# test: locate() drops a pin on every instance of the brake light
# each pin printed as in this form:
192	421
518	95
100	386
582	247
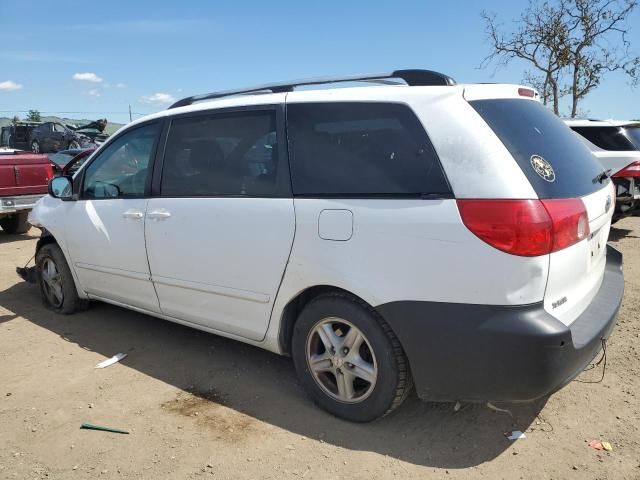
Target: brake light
570	221
527	228
631	170
526	92
49	171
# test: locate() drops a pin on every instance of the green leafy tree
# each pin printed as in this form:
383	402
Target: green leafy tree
34	116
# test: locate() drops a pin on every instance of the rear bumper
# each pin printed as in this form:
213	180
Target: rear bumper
9	205
484	353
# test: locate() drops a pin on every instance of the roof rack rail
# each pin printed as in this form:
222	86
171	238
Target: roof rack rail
411	78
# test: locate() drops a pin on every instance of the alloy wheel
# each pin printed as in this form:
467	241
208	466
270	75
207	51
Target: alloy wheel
52	282
341	360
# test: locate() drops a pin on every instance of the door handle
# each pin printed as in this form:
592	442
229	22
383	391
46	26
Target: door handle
159	214
133	214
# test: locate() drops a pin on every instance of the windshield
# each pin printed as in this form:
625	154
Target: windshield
554	160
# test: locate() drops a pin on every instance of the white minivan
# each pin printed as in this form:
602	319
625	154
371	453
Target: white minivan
409	232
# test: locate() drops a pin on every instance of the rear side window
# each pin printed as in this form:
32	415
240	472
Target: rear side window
633	134
232	154
606	138
361	149
554	160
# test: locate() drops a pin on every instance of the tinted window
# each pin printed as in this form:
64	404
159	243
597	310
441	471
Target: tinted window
222	155
607	138
529	131
361	149
633	133
122	168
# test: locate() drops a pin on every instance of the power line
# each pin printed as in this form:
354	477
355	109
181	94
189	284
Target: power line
82	113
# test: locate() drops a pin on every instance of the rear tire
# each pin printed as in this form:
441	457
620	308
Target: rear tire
16	223
364	375
35	146
56	281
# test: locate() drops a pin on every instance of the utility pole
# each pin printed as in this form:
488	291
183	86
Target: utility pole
130	119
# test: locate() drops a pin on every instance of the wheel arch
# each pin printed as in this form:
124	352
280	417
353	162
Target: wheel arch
45	239
295	305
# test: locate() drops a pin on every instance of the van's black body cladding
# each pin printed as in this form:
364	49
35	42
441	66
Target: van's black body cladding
501	353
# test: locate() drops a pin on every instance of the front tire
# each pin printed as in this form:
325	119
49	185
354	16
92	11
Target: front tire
16	223
74	145
56	281
348	359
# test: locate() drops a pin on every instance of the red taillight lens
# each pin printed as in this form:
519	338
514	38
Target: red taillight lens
570	221
519	227
528	228
631	170
526	92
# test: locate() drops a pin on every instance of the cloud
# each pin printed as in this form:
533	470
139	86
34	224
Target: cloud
87	77
94	92
9	86
158	98
120	85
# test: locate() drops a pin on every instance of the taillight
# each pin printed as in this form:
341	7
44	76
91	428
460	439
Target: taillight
631	170
526	92
49	171
527	228
570	221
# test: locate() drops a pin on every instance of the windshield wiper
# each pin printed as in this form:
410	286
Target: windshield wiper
602	176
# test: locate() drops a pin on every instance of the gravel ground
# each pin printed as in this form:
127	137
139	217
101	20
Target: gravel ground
200	406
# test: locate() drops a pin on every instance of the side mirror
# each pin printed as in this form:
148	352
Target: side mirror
61	187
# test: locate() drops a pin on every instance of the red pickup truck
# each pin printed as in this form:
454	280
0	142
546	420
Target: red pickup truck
24	178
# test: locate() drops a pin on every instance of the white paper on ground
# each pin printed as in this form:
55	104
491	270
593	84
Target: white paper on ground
516	434
111	361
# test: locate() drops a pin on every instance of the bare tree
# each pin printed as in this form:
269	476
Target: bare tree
592	52
569	44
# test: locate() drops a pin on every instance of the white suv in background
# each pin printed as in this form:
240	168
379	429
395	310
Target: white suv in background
448	236
616	144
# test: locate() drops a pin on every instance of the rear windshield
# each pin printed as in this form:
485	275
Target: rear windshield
555	161
607	138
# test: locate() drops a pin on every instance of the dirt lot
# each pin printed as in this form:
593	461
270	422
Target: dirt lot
199	406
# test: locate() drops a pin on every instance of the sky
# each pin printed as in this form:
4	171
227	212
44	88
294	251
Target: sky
94	59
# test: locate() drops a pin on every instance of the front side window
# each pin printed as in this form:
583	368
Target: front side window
58	128
221	154
361	149
122	168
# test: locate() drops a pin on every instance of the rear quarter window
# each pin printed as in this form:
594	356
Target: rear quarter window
529	130
607	138
361	150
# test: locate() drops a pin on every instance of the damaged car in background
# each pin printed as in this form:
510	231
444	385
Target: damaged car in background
54	136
